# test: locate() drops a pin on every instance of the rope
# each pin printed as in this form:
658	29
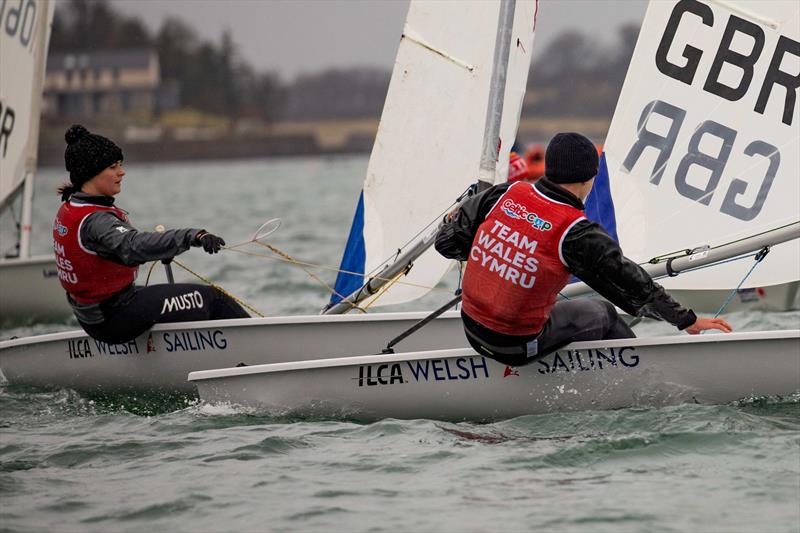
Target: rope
759	257
303	265
331	269
223	291
283	256
292	260
386	287
149	271
390	281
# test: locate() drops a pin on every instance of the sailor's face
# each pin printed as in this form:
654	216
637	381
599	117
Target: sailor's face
108	182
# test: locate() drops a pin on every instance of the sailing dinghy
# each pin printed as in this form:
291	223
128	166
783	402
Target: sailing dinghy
445	62
694	146
29	287
461	385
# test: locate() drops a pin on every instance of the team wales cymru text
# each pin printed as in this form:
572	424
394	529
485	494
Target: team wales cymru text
507	253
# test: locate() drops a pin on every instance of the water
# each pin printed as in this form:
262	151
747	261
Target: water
71	463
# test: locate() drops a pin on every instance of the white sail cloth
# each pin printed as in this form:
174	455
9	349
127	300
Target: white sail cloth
428	147
23	46
704	146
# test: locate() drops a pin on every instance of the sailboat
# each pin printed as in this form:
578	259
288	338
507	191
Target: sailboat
29	286
470	60
741	213
445	60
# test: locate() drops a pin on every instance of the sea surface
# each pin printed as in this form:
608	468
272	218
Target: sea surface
72	463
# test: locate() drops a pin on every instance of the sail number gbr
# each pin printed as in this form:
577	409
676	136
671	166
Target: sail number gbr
660	122
18	19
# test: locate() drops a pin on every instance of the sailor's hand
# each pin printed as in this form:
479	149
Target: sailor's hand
702	324
210	242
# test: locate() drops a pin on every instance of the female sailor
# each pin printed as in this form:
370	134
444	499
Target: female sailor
98	252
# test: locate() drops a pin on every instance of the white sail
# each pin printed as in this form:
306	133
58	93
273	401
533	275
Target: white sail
23	47
428	147
704	146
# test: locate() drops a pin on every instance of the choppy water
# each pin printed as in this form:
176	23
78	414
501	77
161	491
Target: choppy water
69	463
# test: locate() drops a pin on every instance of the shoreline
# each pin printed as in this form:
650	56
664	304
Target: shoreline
296	139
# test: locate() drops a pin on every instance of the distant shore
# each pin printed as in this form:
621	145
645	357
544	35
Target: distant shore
297	139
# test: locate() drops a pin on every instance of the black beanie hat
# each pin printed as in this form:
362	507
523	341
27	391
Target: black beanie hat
570	158
88	154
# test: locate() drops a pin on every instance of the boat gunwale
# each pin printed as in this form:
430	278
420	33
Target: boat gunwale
239	323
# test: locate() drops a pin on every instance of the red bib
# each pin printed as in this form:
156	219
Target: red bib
87	277
515	270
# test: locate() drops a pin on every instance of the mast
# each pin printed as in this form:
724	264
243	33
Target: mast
42	37
494	113
486	173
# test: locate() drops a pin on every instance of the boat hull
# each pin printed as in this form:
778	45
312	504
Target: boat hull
461	385
30	291
160	360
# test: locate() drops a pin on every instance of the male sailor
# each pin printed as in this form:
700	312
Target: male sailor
98	252
522	241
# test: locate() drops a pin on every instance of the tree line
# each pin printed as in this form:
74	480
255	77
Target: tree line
574	76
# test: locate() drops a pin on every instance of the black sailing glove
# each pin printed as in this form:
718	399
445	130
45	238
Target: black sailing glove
210	242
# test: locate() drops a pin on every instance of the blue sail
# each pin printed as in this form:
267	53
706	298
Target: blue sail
353	258
600	205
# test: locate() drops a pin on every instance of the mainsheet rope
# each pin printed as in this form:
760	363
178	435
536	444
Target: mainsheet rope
207	282
223	291
759	257
303	265
288	259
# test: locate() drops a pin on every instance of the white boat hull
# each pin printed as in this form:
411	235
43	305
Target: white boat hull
160	360
30	291
461	385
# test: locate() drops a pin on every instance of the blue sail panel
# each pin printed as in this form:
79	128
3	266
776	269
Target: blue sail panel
600	205
353	259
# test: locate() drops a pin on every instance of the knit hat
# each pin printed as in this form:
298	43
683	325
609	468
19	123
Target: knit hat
88	154
517	168
570	158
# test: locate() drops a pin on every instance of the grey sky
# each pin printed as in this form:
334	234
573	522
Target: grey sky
302	36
